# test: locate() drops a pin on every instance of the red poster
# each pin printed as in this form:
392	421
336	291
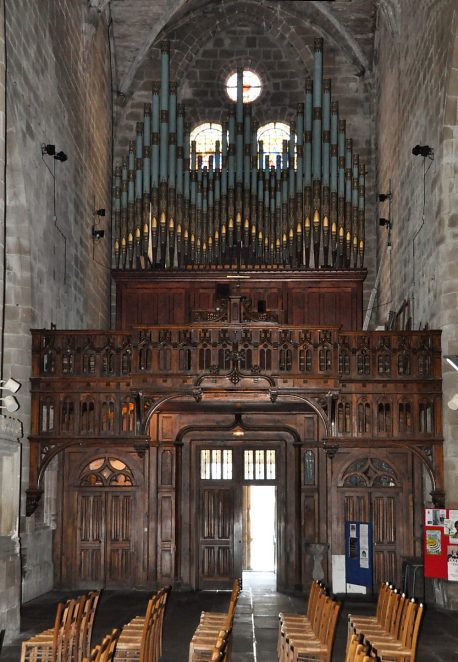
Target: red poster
441	543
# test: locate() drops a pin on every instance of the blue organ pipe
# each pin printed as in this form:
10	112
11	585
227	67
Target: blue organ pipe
334	141
164	107
146	149
261	155
217	155
316	126
326	131
172	133
308	133
341	153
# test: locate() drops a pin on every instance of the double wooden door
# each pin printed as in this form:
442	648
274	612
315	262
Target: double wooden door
105	553
101	539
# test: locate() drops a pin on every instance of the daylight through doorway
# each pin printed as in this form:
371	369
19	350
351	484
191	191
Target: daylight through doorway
259	528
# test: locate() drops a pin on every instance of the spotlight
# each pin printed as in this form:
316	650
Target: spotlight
453	360
50	150
384	196
100	212
422	150
384	221
10	385
97	234
61	156
10	403
453	403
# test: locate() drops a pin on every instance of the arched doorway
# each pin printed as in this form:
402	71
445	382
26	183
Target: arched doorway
102	497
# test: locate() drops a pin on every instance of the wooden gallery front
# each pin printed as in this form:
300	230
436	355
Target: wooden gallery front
210	385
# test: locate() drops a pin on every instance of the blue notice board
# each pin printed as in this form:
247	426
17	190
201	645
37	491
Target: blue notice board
358	553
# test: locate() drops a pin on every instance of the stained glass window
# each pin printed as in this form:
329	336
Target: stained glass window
272	136
252	86
259	465
205	135
216	464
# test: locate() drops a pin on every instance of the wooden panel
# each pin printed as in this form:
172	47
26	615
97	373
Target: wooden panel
90	543
217	505
120	543
166	423
166	462
165	519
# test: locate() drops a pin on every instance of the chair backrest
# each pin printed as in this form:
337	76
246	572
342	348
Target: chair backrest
331	625
354	641
411	627
148	639
105	651
87	623
316	590
65	639
383	596
220	648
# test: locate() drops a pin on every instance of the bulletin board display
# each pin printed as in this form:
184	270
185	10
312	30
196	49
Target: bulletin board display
441	543
358	553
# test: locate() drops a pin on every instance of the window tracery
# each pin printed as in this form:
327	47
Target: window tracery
369	472
106	472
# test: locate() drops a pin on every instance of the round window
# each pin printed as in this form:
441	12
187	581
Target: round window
251	86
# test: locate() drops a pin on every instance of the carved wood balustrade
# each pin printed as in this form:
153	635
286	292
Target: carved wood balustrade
93	387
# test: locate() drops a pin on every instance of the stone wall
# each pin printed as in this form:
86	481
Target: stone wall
417	84
59	92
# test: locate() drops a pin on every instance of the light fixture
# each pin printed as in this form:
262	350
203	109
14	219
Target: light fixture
453	360
100	212
422	150
50	150
238	432
10	385
384	196
385	221
453	403
9	403
61	156
97	234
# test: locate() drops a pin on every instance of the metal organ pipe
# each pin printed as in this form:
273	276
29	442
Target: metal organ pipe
304	212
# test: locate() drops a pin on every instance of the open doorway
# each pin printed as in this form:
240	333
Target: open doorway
259	528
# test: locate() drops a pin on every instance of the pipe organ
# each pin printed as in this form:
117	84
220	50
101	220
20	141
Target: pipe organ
305	212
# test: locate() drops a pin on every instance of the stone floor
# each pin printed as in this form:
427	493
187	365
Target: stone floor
255	628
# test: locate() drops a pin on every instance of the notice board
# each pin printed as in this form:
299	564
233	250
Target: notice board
358	553
441	543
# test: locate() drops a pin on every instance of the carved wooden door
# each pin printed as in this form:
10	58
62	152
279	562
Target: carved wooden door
102	525
382	509
105	545
220	538
371	491
386	534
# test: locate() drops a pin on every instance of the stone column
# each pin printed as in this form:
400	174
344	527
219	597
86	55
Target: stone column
10	553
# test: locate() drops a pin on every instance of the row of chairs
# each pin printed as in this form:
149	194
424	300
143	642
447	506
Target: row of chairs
310	635
359	650
393	631
215	627
141	638
70	638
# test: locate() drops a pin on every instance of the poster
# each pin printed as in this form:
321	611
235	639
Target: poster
441	543
434	542
452	562
363	546
451	526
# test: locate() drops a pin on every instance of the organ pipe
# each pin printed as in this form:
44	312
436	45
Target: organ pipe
306	211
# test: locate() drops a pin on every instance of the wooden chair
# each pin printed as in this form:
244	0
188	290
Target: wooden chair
210	624
317	645
139	643
60	643
87	623
105	651
302	625
220	649
361	621
404	647
135	626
